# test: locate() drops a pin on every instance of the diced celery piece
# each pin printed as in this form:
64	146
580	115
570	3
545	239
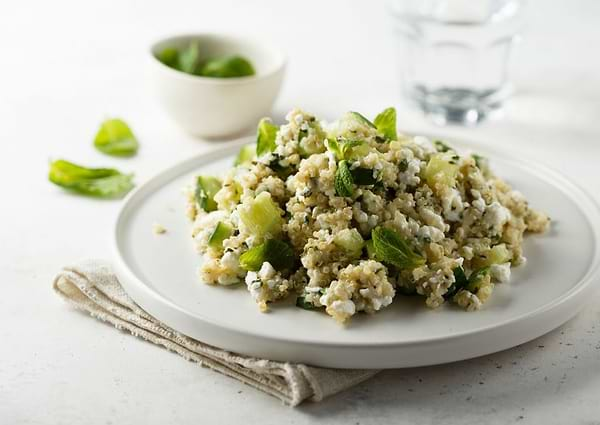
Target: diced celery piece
261	216
441	169
221	232
206	188
350	241
246	155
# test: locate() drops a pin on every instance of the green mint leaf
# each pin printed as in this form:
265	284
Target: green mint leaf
362	119
343	182
116	138
391	248
189	59
206	188
385	123
98	182
363	176
460	281
169	56
278	253
341	148
227	67
265	137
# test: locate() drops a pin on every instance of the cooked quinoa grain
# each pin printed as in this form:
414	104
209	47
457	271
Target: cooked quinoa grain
359	219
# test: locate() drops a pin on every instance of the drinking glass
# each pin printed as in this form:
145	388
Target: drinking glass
454	55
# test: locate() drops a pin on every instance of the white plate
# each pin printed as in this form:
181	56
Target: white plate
160	274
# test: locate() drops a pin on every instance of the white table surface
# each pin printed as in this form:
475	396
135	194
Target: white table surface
64	65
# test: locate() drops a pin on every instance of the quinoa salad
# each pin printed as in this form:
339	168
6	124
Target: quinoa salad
348	216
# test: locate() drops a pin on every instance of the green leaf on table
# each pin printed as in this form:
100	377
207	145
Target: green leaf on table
277	253
392	249
99	182
343	181
386	123
266	134
116	138
227	67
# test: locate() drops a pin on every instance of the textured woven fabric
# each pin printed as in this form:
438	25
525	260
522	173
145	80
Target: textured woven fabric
92	287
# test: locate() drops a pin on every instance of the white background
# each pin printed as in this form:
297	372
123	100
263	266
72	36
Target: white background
64	66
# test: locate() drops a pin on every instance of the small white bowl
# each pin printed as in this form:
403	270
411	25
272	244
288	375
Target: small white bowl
218	107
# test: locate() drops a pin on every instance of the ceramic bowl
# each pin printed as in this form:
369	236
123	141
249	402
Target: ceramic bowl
218	107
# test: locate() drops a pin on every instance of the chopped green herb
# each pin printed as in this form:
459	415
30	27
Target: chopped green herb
370	248
99	182
343	182
302	303
227	67
403	165
363	176
265	137
460	281
475	279
116	138
391	248
278	253
206	188
441	146
386	123
480	161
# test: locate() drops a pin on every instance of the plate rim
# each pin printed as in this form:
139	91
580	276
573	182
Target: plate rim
180	167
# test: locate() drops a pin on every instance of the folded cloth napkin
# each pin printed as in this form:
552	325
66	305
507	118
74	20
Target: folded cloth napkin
91	286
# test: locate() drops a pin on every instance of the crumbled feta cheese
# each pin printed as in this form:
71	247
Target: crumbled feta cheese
500	272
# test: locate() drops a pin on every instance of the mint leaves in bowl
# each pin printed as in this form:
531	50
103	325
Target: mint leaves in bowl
216	85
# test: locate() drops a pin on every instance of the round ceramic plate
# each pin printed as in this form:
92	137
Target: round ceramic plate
160	272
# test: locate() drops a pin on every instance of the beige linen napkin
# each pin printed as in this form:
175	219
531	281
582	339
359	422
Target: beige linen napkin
92	287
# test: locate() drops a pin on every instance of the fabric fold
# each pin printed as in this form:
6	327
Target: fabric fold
91	286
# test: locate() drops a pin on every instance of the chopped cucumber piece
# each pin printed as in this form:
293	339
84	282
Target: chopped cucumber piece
441	169
206	188
261	216
277	253
350	241
246	155
222	231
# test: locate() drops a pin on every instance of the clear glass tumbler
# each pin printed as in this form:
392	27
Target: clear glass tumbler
454	55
